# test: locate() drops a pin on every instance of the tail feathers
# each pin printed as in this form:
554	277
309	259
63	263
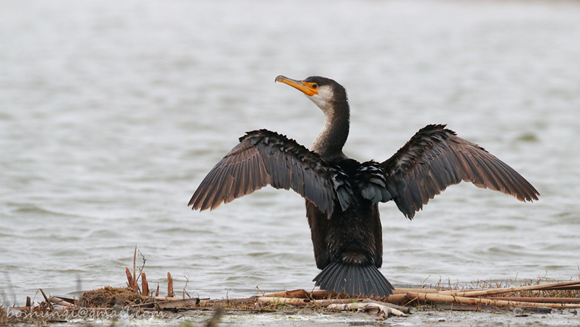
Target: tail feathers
354	280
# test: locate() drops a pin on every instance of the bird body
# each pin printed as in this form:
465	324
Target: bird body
342	194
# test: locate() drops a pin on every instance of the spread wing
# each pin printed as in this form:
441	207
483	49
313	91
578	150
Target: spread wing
435	158
263	157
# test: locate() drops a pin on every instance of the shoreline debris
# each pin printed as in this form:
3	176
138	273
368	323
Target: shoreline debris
136	300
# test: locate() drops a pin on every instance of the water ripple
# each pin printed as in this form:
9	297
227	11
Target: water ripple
109	121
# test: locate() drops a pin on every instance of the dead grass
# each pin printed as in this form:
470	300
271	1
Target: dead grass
108	297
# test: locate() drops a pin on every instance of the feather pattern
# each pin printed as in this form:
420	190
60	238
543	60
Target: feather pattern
263	157
354	280
371	183
435	158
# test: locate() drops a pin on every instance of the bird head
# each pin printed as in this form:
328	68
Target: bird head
324	92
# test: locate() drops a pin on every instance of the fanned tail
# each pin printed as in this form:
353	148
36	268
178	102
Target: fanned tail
354	280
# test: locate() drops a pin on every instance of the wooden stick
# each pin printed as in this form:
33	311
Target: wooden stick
180	303
570	287
67	299
266	299
144	285
538	299
290	294
60	301
46	299
439	298
322	294
300	293
316	295
417	290
157	290
149	305
494	291
245	300
396	299
390	305
384	310
170	285
167	298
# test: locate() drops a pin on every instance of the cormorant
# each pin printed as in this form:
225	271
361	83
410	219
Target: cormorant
342	194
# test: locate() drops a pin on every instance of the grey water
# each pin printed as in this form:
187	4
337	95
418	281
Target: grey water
112	112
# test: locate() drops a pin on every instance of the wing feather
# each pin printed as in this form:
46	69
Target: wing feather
436	158
266	158
213	193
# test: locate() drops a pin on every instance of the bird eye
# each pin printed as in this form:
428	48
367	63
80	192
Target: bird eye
314	86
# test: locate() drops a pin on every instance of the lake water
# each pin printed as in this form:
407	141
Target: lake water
112	112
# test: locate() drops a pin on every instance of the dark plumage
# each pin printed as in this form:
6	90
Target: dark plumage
342	194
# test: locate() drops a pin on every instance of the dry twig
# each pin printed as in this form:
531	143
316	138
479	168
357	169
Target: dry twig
383	310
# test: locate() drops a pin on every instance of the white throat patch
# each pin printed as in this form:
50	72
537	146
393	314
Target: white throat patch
323	98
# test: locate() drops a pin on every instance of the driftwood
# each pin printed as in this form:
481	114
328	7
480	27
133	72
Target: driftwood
470	307
303	301
61	301
494	291
282	300
383	310
300	293
326	294
46	299
538	299
390	305
290	294
477	298
181	303
396	299
417	290
474	298
442	298
244	300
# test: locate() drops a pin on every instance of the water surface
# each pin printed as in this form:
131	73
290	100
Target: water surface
111	114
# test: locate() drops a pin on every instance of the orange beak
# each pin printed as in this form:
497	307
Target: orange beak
307	88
